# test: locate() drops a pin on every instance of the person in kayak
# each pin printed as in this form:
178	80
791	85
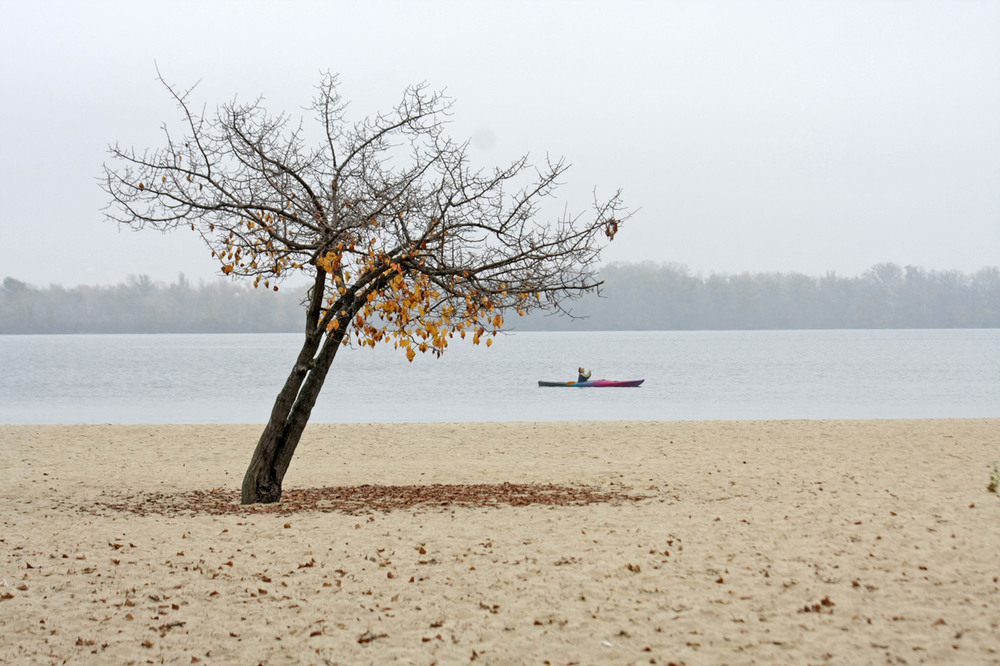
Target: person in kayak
584	374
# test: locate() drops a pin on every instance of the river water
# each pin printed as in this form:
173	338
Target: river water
700	375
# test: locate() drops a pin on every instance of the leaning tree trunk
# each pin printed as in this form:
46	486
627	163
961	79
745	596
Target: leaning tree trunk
262	481
292	407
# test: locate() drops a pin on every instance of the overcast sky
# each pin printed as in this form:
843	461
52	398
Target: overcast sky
753	136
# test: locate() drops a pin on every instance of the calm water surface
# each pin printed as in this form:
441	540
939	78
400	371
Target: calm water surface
689	376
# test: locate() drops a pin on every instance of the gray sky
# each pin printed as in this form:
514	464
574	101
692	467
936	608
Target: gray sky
760	136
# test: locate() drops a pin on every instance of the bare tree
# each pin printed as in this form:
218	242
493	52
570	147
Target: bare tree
404	242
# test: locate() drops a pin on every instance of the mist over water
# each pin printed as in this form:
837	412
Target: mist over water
697	375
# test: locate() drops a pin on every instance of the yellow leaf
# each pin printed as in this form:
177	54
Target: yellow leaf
410	354
489	342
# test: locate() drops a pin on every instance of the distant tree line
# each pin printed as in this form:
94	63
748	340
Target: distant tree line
140	305
644	296
668	297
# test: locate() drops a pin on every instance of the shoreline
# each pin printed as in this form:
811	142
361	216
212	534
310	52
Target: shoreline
772	541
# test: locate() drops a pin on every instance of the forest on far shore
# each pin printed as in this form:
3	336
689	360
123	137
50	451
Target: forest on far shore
645	296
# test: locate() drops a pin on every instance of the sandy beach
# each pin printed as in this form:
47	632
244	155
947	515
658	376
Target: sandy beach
795	542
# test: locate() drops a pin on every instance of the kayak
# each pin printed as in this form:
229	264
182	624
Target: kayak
596	383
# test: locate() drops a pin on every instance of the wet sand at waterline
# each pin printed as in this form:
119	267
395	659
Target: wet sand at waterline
505	543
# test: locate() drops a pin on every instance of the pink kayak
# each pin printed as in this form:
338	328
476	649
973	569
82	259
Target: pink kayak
596	383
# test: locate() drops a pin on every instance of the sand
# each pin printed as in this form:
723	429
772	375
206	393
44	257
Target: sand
795	542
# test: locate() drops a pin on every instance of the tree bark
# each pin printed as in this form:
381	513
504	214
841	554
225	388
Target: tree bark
292	407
